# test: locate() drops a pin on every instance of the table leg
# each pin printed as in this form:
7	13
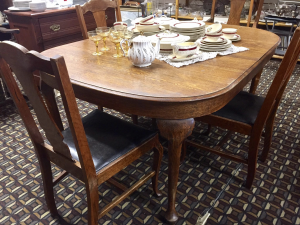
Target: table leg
175	131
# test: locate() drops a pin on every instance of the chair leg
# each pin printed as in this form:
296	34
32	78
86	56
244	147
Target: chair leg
47	177
93	202
255	81
154	122
208	130
183	152
158	154
135	119
268	136
252	159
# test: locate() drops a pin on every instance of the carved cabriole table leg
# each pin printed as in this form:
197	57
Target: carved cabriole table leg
175	131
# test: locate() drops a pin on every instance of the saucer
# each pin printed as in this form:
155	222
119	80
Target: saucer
174	59
236	38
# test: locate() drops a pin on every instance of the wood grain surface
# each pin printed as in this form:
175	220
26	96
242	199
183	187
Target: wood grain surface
210	80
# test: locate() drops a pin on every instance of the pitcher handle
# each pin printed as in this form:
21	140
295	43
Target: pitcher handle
123	41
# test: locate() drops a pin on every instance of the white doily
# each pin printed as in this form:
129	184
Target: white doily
202	56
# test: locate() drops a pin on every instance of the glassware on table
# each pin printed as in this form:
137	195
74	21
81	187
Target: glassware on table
95	37
127	36
116	37
104	33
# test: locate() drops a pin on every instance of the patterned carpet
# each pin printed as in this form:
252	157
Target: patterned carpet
274	198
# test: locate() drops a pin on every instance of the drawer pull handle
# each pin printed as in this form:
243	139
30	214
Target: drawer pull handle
106	17
55	27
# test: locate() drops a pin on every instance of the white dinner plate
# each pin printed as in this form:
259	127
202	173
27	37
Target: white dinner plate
214	49
19	9
188	25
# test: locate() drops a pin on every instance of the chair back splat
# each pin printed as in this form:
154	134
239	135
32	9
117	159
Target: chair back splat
281	80
24	63
98	9
236	7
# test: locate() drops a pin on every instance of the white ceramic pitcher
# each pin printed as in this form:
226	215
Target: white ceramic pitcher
141	51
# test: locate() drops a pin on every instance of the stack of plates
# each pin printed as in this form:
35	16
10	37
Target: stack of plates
220	45
194	29
136	32
20	5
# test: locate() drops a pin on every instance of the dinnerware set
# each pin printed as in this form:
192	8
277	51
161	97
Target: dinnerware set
194	29
147	25
167	39
143	42
206	45
213	32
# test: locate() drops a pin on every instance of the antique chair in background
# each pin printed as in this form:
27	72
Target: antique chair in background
249	114
8	32
93	149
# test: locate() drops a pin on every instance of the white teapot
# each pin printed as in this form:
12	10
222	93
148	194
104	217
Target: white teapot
141	51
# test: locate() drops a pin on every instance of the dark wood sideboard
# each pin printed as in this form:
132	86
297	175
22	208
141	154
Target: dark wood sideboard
44	30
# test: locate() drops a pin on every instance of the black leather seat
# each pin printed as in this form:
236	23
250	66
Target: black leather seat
244	107
109	137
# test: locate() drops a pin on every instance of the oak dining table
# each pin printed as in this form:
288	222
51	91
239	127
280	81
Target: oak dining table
174	96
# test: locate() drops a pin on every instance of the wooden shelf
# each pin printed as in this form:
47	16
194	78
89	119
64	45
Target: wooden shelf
270	23
242	21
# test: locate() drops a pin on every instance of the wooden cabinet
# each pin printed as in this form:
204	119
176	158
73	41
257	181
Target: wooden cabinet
41	31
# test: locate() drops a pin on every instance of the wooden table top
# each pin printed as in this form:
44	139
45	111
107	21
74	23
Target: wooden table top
161	82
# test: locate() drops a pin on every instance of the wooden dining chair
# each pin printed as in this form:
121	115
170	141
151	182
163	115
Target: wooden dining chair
249	114
236	7
93	149
97	7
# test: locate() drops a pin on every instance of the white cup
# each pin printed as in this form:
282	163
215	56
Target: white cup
120	25
229	33
213	37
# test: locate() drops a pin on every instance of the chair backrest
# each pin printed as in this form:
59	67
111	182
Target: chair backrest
97	7
54	74
281	80
258	12
236	7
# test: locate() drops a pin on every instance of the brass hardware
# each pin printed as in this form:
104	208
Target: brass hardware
55	27
106	17
142	32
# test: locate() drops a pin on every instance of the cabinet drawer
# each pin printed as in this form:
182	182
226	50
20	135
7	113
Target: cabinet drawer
62	25
59	26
